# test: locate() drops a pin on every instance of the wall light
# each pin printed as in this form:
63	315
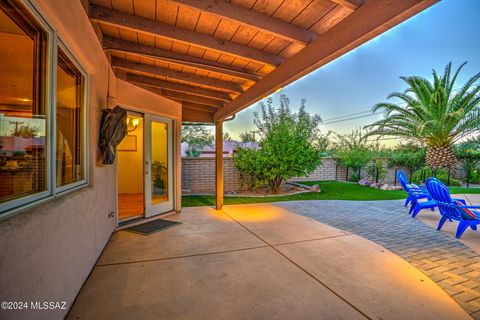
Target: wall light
132	124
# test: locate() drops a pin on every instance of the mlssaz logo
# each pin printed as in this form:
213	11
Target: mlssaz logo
48	305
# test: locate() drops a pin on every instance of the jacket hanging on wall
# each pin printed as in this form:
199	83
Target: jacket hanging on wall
113	127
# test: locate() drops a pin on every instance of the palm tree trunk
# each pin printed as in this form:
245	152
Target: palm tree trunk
441	157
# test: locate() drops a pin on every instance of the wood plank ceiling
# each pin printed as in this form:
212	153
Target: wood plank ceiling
218	57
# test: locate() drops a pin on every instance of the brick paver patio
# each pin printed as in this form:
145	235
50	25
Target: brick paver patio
447	261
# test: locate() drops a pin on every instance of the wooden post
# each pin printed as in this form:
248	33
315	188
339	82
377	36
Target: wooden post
219	165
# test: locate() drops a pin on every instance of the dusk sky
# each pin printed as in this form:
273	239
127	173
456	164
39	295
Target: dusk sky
355	82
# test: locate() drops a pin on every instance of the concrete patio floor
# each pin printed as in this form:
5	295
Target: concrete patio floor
256	262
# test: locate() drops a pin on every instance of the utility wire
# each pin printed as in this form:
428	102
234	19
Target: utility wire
348	117
353	118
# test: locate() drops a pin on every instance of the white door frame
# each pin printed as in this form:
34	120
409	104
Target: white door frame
150	209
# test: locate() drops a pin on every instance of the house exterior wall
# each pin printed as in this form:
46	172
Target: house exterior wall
47	251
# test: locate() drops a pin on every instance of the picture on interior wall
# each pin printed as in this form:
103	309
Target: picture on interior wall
129	143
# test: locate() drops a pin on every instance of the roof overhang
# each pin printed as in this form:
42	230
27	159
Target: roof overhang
218	57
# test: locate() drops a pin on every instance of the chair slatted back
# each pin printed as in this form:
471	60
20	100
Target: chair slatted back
439	192
402	178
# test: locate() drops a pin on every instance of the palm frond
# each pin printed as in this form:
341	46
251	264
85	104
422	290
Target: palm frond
432	114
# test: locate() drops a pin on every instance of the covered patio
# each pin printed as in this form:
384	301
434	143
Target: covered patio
184	61
258	261
216	58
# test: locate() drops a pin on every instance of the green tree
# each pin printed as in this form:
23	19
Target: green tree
408	155
247	136
197	137
353	150
469	152
435	114
227	137
289	145
247	161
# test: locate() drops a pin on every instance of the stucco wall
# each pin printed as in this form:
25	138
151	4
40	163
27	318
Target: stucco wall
47	252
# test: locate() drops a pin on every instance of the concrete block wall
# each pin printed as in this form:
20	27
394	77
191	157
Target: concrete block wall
198	174
326	171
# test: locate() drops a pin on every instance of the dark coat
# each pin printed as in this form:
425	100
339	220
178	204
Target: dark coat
113	127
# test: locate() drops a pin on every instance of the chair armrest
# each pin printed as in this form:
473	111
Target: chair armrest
460	200
470	207
419	192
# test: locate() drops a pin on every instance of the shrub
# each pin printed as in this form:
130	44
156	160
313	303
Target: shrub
474	177
289	146
354	177
377	173
353	151
410	156
420	176
469	152
249	167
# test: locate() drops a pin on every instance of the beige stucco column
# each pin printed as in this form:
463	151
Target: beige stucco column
219	165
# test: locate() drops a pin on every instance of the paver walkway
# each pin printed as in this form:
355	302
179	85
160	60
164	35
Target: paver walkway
447	261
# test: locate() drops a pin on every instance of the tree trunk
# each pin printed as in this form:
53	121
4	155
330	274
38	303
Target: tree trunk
277	182
441	157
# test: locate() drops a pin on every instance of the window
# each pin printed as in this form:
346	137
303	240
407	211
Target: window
70	125
43	126
23	112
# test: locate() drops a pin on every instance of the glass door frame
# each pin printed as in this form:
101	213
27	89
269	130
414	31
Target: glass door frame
162	207
156	209
142	115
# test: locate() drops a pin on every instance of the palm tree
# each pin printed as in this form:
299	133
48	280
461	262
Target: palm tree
435	114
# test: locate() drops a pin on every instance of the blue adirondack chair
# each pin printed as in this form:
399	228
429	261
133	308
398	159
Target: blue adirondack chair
415	193
453	209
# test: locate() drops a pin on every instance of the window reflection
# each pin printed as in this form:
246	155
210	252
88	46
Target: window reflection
23	127
70	122
159	161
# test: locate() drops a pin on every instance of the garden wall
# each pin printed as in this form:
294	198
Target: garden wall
198	174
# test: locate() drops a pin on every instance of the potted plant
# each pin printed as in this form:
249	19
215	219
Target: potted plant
158	168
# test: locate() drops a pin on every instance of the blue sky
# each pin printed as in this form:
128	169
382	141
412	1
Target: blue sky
448	31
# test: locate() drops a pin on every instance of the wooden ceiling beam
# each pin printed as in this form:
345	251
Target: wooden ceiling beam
174	95
242	15
192	98
179	87
368	21
151	27
197	106
178	59
192	115
183	76
351	4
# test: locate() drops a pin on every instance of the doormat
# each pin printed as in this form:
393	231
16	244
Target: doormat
151	227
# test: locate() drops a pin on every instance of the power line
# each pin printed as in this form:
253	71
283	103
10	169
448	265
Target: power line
347	116
353	118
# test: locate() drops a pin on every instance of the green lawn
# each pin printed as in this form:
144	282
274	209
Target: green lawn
331	190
